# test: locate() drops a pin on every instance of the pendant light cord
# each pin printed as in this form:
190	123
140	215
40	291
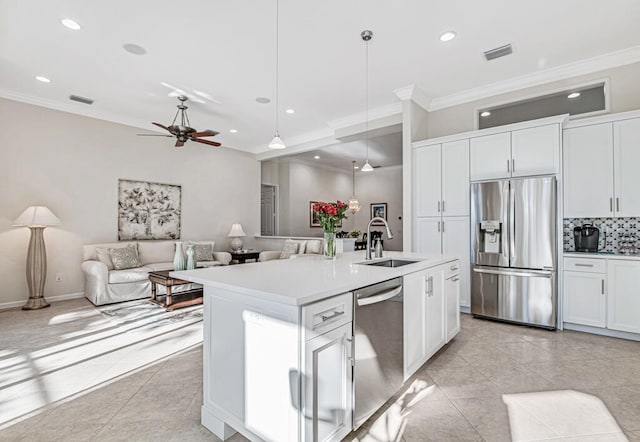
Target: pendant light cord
366	43
277	65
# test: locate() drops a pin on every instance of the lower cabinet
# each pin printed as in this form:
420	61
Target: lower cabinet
328	395
584	298
431	313
623	304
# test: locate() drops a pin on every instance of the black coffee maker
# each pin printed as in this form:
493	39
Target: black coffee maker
586	238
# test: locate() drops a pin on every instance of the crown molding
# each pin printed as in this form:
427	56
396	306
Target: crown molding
414	93
384	111
582	67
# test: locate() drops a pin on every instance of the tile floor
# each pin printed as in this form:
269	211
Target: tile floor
459	395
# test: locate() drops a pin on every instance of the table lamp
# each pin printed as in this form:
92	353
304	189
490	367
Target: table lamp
36	218
236	233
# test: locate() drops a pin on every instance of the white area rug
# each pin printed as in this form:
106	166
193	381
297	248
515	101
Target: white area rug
144	312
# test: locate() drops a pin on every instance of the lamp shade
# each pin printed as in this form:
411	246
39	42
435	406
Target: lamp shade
236	230
277	143
37	216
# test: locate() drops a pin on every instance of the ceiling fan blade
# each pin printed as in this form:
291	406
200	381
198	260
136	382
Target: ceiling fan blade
205	133
162	126
210	143
179	143
154	135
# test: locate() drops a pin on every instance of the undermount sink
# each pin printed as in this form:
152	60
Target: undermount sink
390	263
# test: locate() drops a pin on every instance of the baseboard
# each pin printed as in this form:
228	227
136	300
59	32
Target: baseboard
16	304
602	331
464	309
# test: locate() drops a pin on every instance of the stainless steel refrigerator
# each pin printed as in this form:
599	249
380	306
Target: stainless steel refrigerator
513	250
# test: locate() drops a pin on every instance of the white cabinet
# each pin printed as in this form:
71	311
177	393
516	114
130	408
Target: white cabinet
588	171
584	298
442	179
448	236
425	316
600	170
452	300
623	278
535	151
626	157
490	157
328	385
523	152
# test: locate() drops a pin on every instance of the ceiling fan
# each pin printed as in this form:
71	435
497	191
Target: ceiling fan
182	131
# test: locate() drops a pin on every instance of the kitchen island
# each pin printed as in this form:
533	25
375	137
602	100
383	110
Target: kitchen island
279	339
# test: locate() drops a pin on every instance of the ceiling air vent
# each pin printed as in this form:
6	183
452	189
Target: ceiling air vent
502	51
80	99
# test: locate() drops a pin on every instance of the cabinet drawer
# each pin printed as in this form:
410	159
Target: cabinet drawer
591	265
323	316
451	269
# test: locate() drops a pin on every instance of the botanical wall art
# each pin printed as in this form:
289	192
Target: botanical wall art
148	210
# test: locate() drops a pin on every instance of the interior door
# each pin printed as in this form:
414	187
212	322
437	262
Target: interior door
268	205
533	223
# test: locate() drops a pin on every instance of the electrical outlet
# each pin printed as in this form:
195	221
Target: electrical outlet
58	277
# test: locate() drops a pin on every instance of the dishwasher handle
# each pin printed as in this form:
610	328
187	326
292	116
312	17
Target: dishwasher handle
379	297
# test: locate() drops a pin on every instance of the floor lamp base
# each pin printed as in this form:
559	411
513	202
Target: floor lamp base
35	304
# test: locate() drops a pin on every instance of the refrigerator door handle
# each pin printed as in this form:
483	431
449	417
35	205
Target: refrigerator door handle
538	273
511	217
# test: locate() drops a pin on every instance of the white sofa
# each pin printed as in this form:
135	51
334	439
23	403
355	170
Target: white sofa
104	286
308	247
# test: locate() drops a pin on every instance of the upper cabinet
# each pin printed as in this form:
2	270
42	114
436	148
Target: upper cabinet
600	170
523	152
442	179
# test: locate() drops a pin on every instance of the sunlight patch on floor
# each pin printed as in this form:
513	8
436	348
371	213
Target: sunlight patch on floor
560	415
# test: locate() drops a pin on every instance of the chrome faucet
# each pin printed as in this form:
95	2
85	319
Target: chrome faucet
389	234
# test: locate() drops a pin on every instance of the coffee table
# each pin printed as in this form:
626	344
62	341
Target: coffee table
184	298
242	256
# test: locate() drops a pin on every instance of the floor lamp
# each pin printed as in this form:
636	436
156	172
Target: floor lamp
36	218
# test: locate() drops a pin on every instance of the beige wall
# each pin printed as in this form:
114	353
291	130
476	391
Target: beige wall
72	165
624	95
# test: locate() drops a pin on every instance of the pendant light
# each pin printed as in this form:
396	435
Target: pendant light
366	36
354	204
277	142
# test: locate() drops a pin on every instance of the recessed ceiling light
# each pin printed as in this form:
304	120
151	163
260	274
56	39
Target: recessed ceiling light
448	36
74	26
43	79
134	49
317	157
233	131
485	114
263	100
573	95
290	111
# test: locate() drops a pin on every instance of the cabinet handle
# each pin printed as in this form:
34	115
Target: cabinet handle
455	279
442	226
453	267
442	205
602	290
617	204
438	206
610	204
583	265
335	315
430	285
513	165
508	170
438	226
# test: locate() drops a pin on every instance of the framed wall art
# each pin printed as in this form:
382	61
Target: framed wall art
378	210
148	210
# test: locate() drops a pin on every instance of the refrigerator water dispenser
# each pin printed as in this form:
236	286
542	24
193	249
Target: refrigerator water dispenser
490	236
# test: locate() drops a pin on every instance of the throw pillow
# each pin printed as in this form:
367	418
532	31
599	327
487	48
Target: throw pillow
203	252
125	257
301	244
290	248
314	246
104	257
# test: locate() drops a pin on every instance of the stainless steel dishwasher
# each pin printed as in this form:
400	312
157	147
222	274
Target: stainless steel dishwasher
378	329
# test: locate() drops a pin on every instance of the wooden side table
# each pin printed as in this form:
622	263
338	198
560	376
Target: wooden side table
242	257
187	298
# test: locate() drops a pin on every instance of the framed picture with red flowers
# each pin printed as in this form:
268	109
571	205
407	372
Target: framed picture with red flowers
378	210
314	219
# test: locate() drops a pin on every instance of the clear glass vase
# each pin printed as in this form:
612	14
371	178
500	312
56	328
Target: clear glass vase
329	245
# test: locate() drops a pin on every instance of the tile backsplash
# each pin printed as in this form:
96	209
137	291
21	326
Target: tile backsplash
614	228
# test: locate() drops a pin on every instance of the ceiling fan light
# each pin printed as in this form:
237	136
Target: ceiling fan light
367	167
277	143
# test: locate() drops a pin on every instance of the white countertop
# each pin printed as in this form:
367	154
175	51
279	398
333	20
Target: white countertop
600	255
306	279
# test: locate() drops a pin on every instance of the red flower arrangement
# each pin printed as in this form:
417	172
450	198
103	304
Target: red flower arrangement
330	214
